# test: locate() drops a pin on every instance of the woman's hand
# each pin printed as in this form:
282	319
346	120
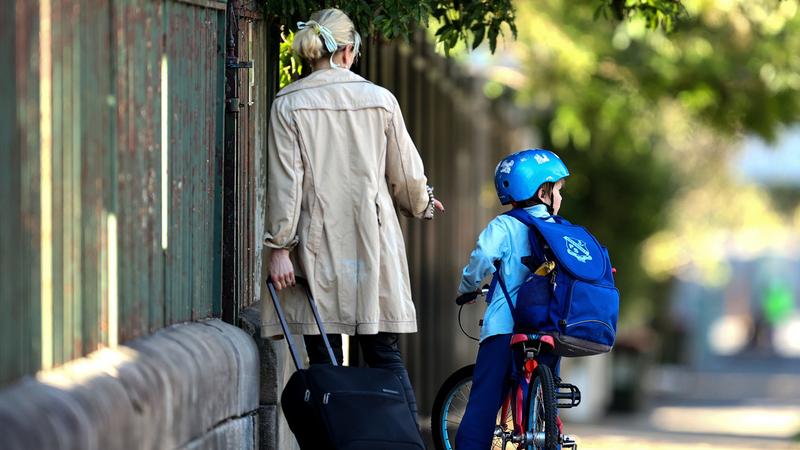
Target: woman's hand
281	269
433	205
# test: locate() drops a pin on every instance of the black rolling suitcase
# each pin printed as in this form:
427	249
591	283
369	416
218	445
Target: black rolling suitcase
344	408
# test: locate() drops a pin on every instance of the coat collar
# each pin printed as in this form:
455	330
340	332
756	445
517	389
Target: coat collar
539	211
323	77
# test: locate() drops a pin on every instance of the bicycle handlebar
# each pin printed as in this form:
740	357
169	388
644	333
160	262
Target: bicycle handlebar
463	299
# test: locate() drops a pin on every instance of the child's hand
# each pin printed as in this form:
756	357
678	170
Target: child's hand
469	297
438	205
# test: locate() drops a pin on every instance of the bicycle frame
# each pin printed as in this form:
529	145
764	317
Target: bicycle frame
530	346
529	411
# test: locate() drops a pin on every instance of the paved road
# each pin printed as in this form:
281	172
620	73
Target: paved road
684	411
689	428
722	410
694	424
619	433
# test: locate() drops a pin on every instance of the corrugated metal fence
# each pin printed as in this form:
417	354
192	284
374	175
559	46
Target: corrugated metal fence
110	173
245	163
19	172
115	198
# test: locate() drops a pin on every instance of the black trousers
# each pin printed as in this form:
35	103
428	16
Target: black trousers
379	350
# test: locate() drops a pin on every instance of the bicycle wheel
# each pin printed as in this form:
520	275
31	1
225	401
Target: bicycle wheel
542	411
449	407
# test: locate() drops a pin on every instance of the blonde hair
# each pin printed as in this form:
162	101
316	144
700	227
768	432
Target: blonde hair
309	44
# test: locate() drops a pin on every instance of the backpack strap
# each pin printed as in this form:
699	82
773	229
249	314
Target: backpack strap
531	221
536	240
572	246
523	216
499	278
534	236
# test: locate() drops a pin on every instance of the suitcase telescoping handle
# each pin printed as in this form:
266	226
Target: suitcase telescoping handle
286	332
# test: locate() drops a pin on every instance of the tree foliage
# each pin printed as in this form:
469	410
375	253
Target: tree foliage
640	115
459	21
290	66
656	13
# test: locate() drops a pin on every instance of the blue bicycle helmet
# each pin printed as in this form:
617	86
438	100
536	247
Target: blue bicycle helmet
519	175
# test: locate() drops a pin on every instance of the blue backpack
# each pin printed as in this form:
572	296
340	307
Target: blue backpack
576	302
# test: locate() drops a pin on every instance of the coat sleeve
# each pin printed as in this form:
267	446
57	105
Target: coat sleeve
493	245
284	181
404	170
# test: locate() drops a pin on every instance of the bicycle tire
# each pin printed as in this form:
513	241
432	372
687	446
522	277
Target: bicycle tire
542	410
444	420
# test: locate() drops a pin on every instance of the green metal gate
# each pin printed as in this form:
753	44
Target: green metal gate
123	194
110	170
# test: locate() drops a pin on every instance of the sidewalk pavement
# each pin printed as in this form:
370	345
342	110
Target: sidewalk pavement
696	411
690	428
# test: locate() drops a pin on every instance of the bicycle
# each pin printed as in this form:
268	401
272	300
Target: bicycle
528	418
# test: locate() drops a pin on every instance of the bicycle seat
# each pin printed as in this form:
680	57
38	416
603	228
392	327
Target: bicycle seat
525	337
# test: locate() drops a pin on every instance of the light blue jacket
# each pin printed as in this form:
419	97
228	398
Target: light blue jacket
504	239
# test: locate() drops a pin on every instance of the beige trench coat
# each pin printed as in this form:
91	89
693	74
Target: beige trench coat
340	160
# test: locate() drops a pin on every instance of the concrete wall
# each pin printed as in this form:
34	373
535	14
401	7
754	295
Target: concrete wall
276	368
188	386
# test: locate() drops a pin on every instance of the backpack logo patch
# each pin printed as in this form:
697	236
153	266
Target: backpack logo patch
577	249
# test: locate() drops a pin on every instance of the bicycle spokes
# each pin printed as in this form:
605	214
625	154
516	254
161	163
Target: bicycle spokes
528	418
536	435
454	409
504	430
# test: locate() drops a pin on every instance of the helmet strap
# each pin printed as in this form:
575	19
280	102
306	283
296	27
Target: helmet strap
549	206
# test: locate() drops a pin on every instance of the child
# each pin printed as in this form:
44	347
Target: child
529	179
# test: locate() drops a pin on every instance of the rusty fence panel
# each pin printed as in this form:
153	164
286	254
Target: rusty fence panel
192	55
136	116
112	117
20	274
250	92
264	83
258	44
134	222
245	156
96	141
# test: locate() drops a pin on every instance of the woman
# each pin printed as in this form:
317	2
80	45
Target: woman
340	159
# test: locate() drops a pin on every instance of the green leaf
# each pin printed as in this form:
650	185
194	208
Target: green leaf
444	29
479	32
493	32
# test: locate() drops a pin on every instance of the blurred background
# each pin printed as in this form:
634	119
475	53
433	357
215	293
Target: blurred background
132	168
685	160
